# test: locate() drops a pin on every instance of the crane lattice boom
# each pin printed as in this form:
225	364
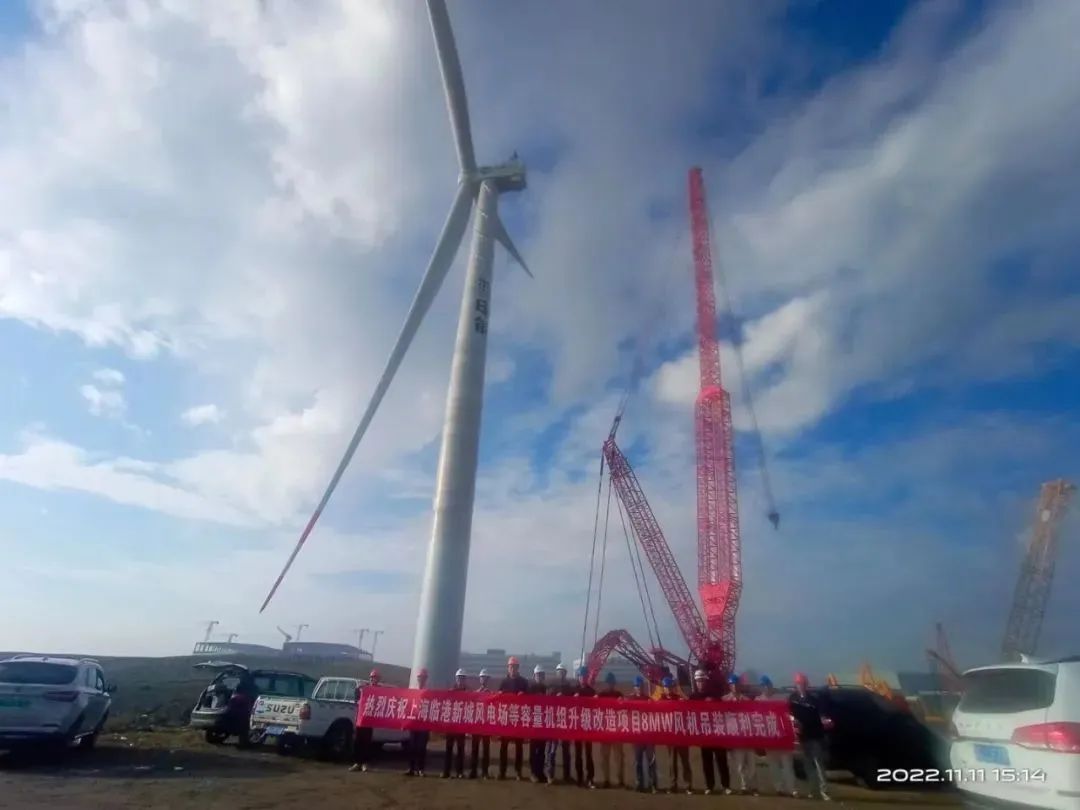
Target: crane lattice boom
651	538
719	552
1037	572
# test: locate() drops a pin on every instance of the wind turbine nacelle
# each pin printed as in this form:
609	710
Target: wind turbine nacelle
509	176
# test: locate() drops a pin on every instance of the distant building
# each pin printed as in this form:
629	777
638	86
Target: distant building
325	650
494	661
233	648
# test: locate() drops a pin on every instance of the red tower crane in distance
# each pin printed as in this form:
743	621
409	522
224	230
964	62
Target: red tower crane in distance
711	639
1036	572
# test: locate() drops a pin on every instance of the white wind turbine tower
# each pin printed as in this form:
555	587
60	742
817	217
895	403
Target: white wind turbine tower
442	599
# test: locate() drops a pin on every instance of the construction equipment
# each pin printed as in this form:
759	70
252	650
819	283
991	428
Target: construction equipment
229	640
288	637
942	666
1036	572
710	637
210	625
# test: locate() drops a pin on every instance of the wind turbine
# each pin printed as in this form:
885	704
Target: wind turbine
442	598
360	633
374	643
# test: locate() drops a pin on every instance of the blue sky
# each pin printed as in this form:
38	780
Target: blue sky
215	220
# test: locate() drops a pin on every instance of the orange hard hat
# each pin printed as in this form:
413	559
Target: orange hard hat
513	662
800	677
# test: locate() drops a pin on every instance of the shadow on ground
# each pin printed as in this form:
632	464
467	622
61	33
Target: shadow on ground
121	761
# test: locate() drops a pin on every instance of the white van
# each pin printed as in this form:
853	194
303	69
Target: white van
1016	735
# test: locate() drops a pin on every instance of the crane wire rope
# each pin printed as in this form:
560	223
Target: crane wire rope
592	558
744	384
603	564
637	579
648	595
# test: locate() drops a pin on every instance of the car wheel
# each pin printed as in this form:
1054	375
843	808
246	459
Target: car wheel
337	742
88	742
866	771
215	737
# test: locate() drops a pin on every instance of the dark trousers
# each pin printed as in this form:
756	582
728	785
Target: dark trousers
536	759
480	744
551	754
719	757
455	741
361	747
680	756
586	774
418	741
502	756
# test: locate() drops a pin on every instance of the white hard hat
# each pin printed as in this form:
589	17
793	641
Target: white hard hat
461	674
561	667
538	670
484	674
701	675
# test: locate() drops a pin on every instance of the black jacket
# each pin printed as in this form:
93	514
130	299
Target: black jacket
514	685
807	713
563	689
538	688
584	690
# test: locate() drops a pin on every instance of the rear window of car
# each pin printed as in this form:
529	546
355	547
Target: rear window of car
37	672
281	685
1007	690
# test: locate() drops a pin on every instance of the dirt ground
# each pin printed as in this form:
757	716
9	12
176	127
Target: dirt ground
177	769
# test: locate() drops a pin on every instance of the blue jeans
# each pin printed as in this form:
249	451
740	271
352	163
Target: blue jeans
645	766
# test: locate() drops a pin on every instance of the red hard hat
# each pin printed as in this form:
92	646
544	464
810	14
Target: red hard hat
800	677
374	675
513	662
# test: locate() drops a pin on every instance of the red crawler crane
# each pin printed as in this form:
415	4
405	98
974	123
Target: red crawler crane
711	639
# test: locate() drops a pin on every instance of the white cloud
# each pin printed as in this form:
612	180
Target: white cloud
209	414
109	376
103	401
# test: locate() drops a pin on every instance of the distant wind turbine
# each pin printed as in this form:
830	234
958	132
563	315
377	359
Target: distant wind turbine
442	599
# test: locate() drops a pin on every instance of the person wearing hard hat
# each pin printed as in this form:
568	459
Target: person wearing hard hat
742	762
418	740
810	726
609	751
644	755
712	759
781	766
456	741
563	688
481	744
362	737
537	746
584	769
678	754
512	684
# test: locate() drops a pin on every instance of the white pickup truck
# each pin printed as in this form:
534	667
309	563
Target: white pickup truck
325	720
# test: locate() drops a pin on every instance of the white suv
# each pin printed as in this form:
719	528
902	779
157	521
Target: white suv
43	699
1017	735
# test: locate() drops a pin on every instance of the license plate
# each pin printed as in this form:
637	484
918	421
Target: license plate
274	731
13	703
992	754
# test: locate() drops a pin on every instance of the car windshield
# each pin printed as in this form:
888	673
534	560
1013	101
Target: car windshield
37	672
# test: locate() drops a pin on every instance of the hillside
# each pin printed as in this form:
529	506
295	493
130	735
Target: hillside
165	689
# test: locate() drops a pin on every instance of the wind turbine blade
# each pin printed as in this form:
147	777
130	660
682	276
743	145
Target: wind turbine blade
453	84
441	259
499	232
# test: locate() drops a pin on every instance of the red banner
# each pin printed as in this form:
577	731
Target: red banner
761	725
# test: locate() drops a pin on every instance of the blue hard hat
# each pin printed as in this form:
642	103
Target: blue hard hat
609	678
732	678
668	682
765	680
639	680
582	672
